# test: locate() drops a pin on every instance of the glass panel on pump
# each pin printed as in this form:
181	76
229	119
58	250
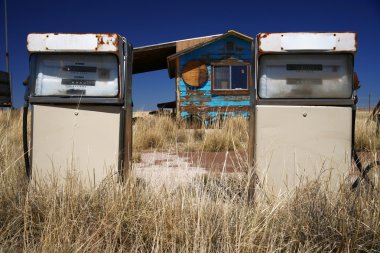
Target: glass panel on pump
76	75
305	76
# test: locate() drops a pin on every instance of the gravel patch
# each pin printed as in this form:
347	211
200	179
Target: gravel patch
159	169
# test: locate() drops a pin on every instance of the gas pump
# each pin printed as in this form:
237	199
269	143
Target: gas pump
303	109
5	90
81	117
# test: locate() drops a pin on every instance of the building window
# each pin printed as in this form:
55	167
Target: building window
232	77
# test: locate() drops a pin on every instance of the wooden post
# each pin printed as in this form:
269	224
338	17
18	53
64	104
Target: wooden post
128	114
177	96
251	140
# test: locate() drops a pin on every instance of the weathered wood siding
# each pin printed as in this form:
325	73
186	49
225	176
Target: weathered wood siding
200	101
182	45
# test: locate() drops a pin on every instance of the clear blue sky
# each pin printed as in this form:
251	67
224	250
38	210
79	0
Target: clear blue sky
149	22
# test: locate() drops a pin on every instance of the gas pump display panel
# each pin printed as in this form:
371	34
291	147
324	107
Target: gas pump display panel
305	76
84	75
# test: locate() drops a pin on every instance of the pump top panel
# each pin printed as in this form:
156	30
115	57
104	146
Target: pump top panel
65	42
306	41
76	65
303	66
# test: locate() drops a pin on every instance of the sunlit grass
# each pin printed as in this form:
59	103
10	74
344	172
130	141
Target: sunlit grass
212	214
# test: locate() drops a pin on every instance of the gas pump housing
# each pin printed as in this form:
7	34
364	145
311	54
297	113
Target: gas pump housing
80	93
302	106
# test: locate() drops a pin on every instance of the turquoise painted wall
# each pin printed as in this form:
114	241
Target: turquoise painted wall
193	100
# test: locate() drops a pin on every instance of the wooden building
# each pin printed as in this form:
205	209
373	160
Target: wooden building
212	74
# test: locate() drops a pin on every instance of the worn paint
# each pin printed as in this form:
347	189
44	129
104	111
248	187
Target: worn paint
323	42
201	102
87	42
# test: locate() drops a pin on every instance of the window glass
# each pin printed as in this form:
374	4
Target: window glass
230	77
305	76
239	77
221	77
76	75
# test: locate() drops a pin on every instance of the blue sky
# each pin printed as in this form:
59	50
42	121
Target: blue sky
149	22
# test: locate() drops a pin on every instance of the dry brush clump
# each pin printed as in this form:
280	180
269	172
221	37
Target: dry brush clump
212	214
230	134
153	132
164	133
366	136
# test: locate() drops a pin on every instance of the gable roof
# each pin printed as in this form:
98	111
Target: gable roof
154	57
171	63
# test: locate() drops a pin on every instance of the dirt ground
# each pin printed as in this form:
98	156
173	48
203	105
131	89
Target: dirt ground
164	169
171	170
217	161
174	169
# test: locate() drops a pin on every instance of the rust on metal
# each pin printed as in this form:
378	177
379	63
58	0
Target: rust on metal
58	41
106	39
340	37
259	37
259	51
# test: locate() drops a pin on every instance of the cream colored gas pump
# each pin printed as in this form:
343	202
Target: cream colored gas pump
80	96
303	107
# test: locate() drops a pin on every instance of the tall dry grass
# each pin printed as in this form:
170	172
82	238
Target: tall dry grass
164	133
366	138
212	214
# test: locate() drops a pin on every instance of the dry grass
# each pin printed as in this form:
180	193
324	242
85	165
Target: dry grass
211	215
153	132
366	138
163	133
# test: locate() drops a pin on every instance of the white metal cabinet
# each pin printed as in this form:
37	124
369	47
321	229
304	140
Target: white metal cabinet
83	143
296	144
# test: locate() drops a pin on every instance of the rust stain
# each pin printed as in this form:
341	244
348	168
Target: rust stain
264	35
259	38
106	38
100	40
259	50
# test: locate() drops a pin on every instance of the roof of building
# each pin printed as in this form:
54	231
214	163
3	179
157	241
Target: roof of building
154	57
163	55
171	59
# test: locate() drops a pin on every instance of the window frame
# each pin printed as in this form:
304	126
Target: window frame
230	63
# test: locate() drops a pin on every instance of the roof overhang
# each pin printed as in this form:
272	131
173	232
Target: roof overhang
153	57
